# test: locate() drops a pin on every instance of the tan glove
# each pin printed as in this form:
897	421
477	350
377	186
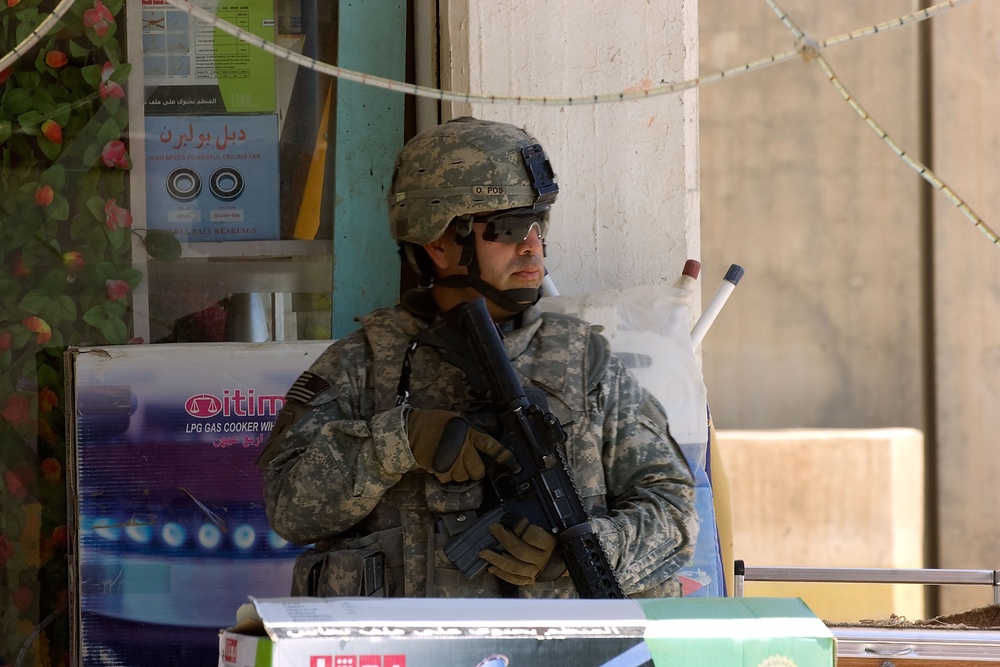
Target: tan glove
528	549
446	446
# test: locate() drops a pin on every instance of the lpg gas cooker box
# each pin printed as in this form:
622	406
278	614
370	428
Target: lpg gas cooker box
392	632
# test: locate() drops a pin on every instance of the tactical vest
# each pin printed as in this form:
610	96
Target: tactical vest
405	536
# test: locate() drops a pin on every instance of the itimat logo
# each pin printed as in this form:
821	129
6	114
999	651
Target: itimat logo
234	403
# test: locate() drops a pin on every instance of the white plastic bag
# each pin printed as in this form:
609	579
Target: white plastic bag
649	328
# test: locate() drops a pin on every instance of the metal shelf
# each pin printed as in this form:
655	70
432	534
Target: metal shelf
256	249
858	575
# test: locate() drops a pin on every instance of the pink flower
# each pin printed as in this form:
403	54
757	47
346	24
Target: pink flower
99	18
56	59
5	74
60	536
47	399
40	327
73	260
44	195
108	88
20	268
115	216
17	411
114	154
51	470
6	546
5	341
22	598
13	3
116	289
52	131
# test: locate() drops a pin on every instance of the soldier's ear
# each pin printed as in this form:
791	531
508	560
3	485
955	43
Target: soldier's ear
437	253
444	251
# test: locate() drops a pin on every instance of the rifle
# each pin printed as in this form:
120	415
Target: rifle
538	487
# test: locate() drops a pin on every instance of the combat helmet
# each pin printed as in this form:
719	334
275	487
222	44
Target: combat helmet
462	167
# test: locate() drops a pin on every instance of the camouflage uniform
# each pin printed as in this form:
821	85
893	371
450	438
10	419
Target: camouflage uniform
342	475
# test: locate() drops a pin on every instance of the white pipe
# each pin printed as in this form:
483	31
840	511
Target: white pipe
729	282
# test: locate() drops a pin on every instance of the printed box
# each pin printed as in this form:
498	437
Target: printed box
213	178
367	632
171	534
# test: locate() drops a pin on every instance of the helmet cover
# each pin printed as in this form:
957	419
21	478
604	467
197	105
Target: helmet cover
461	167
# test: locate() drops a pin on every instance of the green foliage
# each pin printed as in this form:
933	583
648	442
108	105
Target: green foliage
66	279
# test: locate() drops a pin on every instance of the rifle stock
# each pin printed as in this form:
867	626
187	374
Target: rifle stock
539	487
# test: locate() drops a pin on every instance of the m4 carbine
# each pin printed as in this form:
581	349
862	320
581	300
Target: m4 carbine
538	487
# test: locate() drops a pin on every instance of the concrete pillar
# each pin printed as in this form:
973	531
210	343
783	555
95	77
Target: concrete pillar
628	172
966	347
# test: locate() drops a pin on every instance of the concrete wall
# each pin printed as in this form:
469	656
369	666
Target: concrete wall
825	328
628	172
869	299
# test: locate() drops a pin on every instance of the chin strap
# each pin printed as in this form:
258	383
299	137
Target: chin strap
511	300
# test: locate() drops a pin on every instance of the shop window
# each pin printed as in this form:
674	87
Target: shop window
269	173
120	123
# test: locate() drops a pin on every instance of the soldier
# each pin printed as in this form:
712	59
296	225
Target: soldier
348	468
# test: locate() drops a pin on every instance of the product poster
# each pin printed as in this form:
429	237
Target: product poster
213	178
191	67
172	536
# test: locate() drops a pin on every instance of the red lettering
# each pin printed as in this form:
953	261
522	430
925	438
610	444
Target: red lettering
357	661
230	654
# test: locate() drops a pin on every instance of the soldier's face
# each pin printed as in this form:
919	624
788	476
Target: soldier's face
503	265
510	265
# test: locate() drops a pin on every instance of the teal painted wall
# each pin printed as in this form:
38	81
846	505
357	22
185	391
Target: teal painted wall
369	133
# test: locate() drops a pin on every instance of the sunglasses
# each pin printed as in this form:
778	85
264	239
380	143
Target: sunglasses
514	226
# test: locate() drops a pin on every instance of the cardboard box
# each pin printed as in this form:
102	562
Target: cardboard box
948	645
170	533
387	632
830	498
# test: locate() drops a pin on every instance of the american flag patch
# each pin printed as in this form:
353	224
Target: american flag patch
306	387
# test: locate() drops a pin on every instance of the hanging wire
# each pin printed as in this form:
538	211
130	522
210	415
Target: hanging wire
36	35
810	50
548	100
806	47
453	96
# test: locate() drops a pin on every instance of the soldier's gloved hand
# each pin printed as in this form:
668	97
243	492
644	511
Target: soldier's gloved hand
528	550
446	446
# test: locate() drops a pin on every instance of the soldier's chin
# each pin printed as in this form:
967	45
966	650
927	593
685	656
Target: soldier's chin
527	280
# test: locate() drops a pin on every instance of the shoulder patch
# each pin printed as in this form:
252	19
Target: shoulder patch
598	354
306	387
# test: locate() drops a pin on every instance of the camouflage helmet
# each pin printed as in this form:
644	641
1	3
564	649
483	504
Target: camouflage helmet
465	166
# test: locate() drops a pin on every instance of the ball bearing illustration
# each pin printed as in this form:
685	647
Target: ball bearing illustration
183	184
226	184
